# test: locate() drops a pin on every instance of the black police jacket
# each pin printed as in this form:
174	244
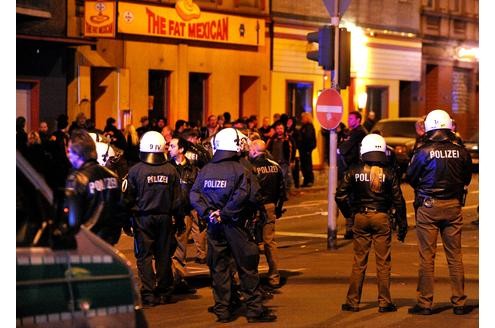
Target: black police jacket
354	193
154	190
271	180
349	148
197	154
440	168
93	197
187	176
225	184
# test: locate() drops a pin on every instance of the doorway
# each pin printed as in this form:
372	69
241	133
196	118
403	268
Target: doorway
299	98
158	93
198	98
27	103
377	101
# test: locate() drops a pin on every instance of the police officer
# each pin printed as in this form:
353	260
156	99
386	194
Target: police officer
223	194
271	180
93	192
367	192
439	172
153	192
348	154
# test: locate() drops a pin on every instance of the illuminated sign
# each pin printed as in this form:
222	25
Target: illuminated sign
186	21
99	19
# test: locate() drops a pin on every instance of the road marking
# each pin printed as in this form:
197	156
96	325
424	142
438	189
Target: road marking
308	203
289	217
302	234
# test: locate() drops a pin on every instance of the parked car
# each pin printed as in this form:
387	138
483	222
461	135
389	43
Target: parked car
472	145
66	278
400	134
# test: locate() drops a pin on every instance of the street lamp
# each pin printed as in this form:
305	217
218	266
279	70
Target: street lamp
362	99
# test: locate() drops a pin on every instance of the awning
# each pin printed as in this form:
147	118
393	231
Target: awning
57	39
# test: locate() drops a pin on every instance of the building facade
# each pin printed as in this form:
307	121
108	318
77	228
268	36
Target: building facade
450	64
184	59
385	58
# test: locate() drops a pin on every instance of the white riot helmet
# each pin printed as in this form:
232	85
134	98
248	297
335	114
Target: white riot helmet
104	151
228	139
373	148
152	148
438	119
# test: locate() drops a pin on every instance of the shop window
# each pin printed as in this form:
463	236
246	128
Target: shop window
198	97
299	98
158	93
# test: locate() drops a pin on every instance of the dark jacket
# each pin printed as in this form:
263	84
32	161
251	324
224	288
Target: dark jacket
288	146
187	174
117	138
271	180
354	192
349	148
57	148
154	190
440	168
93	196
225	184
308	138
197	154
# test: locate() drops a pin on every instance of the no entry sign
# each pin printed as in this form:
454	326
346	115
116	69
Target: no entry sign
329	108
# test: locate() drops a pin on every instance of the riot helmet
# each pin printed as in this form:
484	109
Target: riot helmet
228	139
438	119
104	152
373	148
152	148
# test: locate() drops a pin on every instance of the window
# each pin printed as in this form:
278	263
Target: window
455	6
430	4
433	23
459	27
460	90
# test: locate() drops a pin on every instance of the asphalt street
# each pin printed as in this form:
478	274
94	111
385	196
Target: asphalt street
315	279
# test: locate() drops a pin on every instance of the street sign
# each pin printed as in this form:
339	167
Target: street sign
329	108
330	4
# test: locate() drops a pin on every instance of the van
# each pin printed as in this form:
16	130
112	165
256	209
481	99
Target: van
66	278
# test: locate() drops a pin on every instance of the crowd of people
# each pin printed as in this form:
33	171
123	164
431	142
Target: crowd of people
144	181
225	184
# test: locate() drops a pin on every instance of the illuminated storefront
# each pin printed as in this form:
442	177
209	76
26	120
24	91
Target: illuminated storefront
179	62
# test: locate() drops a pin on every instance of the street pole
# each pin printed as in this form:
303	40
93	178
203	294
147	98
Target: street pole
332	170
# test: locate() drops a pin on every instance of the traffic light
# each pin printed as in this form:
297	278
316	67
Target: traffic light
325	37
344	58
325	53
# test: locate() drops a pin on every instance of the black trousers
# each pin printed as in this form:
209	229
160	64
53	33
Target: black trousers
307	167
154	239
227	241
